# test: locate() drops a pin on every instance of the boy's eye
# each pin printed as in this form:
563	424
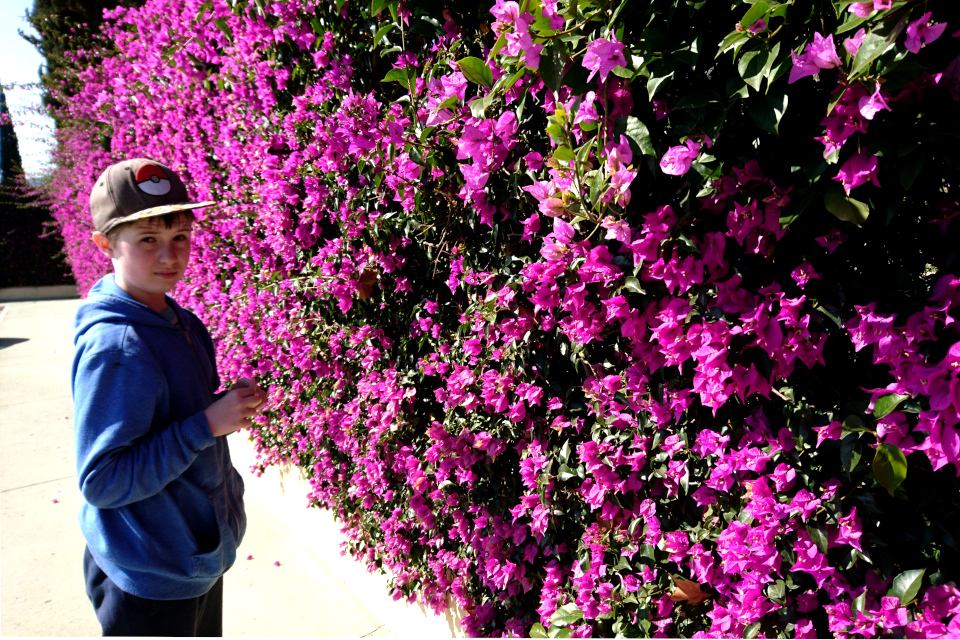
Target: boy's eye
148	239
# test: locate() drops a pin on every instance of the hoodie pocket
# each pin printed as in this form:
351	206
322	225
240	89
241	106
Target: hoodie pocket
216	562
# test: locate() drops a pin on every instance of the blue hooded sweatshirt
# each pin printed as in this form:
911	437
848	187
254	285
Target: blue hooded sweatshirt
164	505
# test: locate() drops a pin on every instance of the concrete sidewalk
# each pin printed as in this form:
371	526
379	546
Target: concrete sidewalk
314	591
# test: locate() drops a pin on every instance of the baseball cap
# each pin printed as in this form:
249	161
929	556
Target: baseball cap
136	189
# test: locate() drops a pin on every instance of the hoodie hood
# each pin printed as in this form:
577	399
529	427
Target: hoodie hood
108	303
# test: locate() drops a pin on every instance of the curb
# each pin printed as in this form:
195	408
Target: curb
53	292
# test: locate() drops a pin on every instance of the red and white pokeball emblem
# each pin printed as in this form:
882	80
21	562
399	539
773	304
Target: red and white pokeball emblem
151	179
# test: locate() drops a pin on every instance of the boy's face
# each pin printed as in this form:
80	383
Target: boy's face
148	258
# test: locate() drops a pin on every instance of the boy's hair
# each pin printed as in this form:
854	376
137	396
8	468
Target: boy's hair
168	219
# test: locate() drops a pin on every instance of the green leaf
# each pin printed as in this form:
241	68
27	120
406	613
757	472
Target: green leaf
835	99
886	405
654	82
733	39
537	631
752	630
818	534
860	601
910	168
754	13
752	64
777	590
850	452
223	26
204	8
853	423
476	71
906	586
499	44
479	106
552	60
633	284
564	154
890	466
873	46
376	6
852	23
638	133
566	615
844	207
398	75
381	32
768	112
800	200
507	82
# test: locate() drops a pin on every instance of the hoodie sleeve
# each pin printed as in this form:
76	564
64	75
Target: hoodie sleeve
119	459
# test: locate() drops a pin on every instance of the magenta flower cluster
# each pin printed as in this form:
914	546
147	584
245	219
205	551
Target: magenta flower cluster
468	473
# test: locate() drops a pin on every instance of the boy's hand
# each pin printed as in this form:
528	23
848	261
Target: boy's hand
247	383
231	412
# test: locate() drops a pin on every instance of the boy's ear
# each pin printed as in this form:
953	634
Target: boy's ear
103	243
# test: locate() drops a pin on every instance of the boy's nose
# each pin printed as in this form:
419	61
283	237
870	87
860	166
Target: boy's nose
167	254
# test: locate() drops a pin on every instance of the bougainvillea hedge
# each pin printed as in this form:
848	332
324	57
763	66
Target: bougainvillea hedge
662	335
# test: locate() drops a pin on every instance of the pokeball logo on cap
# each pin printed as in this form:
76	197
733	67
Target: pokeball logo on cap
151	179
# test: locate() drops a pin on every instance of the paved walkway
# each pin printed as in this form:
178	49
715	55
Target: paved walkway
41	581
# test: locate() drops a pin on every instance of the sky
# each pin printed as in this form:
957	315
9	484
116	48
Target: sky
19	64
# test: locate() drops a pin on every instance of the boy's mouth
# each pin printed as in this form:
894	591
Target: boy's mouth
166	274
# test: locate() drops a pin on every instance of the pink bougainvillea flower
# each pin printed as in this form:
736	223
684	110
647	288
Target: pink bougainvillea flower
804	274
521	42
823	52
758	26
864	9
832	240
852	44
661	109
587	112
276	563
677	160
870	105
505	12
250	557
603	56
922	32
802	67
858	170
819	54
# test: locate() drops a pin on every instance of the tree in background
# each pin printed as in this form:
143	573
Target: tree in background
27	256
64	26
9	147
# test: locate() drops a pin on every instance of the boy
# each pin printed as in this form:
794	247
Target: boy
164	505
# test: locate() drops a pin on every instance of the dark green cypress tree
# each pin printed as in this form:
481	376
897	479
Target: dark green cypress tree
9	147
29	254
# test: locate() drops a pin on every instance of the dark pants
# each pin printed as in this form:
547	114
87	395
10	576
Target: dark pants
124	614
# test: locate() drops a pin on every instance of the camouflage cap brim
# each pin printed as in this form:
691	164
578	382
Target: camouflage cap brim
162	210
